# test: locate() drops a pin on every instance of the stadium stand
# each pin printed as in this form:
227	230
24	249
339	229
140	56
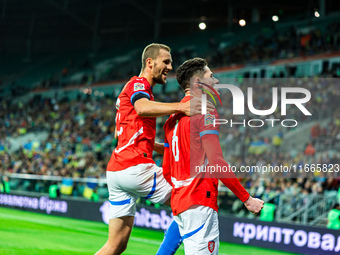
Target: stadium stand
80	128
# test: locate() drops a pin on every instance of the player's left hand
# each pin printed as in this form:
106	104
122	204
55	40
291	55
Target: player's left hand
194	106
254	205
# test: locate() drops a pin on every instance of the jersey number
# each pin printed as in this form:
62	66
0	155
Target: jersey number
175	149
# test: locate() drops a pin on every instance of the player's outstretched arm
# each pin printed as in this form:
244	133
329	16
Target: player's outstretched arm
254	205
212	148
146	108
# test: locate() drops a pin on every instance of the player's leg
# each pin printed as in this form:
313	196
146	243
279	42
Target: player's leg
199	230
160	192
122	211
119	233
154	187
172	240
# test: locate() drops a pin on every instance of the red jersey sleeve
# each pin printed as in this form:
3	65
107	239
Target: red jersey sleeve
205	124
209	135
138	88
214	154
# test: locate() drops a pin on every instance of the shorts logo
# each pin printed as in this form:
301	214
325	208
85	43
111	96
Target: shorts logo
138	86
211	246
209	119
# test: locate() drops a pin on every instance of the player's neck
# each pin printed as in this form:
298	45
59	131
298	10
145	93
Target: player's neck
187	92
147	75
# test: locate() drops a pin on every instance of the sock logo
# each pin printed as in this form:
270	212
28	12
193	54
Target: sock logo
211	246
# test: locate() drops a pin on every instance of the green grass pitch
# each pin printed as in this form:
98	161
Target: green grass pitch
38	234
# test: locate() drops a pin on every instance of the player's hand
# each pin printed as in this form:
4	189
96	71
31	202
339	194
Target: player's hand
254	205
159	148
194	106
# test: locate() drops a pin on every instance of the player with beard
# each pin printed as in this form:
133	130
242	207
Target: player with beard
131	171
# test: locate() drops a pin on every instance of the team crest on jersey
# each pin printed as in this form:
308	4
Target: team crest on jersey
138	86
209	119
211	246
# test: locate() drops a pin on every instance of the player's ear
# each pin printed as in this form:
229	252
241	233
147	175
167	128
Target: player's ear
197	82
149	62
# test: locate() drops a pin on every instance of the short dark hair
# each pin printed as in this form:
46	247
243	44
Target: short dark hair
152	51
188	69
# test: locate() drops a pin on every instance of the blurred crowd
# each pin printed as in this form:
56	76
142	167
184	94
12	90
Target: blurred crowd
80	136
316	141
279	44
323	105
263	49
80	132
272	45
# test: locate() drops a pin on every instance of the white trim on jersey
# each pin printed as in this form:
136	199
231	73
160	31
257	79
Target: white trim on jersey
180	184
206	162
131	141
187	182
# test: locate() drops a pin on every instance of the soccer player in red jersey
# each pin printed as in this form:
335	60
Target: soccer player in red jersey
131	172
194	193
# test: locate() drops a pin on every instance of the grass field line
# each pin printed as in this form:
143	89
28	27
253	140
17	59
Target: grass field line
86	230
44	222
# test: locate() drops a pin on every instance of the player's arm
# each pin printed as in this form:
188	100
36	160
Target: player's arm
147	108
212	148
116	135
159	148
166	162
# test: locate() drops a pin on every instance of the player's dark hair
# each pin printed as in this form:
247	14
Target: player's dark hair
152	51
188	69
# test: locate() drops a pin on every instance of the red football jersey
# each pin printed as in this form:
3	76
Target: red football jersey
136	135
183	153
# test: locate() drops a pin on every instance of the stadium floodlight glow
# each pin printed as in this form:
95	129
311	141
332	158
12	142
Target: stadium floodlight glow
275	18
242	22
202	25
316	14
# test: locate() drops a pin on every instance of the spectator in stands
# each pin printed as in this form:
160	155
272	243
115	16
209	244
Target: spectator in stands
310	150
277	141
315	132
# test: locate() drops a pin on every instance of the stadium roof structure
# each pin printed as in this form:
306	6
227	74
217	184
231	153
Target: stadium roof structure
49	25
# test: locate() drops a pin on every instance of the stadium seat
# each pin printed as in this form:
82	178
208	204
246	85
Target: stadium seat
333	219
53	191
88	192
267	213
66	187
